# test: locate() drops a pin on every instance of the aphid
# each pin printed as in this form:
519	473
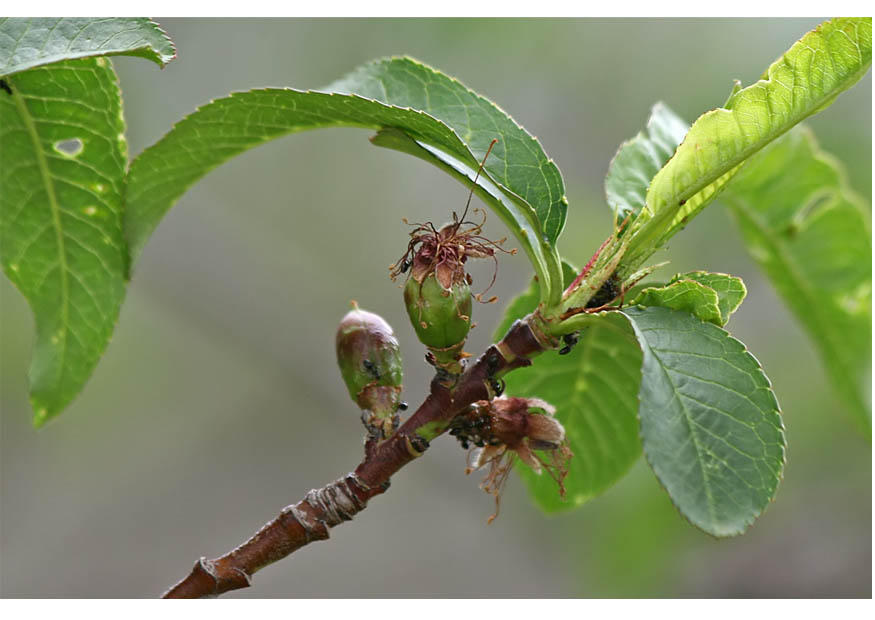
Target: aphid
5	86
492	363
372	369
570	341
609	291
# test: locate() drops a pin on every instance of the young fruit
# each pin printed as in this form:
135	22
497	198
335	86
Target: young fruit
438	292
441	317
370	363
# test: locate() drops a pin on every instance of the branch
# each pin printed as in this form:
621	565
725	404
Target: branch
320	509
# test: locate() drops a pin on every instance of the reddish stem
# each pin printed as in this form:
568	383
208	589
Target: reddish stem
339	501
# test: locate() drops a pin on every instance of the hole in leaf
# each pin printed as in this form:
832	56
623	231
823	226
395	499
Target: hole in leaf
71	148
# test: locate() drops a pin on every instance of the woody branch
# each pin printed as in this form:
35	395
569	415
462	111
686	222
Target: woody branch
310	519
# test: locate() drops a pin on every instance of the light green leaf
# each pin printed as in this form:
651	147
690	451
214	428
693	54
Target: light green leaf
414	108
710	423
594	389
730	290
825	62
27	42
699	300
811	236
638	160
62	167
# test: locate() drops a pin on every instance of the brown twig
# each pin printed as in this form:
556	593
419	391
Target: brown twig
320	509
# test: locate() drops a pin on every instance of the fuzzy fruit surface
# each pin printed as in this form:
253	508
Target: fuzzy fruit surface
370	361
441	317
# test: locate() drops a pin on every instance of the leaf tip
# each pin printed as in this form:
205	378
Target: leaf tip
164	59
40	416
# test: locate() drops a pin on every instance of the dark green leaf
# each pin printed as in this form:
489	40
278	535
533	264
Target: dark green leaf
226	127
710	423
517	162
27	42
810	234
62	168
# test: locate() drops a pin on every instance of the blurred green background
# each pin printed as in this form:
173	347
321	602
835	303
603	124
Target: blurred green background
219	402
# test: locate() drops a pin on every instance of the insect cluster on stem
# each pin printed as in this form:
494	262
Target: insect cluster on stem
506	429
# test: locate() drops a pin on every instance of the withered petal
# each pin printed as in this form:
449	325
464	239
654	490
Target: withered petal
444	274
527	457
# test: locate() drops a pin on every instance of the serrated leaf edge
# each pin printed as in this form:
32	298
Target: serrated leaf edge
780	473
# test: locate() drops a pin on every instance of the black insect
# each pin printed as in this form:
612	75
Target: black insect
405	265
570	340
402	406
497	385
5	86
475	428
491	363
420	444
610	290
372	369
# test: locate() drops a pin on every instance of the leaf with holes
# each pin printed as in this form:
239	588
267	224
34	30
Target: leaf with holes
594	389
27	42
710	423
805	80
62	167
414	108
810	234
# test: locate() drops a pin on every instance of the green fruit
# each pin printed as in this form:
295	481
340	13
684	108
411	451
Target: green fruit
441	317
370	363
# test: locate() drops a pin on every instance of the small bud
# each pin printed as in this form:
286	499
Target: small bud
370	363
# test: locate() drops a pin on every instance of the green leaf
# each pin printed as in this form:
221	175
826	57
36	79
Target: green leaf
638	160
594	389
811	236
62	167
518	162
710	423
27	42
730	290
825	62
414	108
699	300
